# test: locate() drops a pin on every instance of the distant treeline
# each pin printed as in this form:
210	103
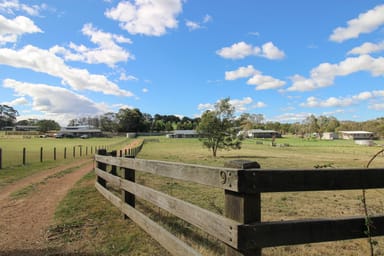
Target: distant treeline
133	120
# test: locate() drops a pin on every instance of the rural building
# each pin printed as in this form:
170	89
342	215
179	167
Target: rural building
258	133
329	136
78	131
183	134
356	135
25	128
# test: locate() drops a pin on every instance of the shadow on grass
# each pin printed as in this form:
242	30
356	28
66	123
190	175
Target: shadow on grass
45	252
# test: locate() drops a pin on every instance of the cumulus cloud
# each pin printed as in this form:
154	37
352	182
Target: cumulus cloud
40	60
54	100
16	102
242	50
12	29
241	72
149	17
107	52
324	74
241	104
367	48
262	82
10	6
342	101
364	23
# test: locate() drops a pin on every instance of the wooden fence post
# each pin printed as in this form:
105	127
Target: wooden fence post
65	152
102	166
129	198
74	151
241	207
114	167
54	153
41	154
1	158
24	156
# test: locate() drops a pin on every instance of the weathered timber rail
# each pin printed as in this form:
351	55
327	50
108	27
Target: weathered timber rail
240	228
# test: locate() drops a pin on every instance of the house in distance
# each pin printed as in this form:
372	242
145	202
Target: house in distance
258	133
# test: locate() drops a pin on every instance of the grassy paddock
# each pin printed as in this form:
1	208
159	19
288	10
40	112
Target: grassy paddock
13	170
12	148
103	231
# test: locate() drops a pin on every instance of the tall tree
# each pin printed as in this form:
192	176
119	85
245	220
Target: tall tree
217	128
7	115
47	125
131	120
109	122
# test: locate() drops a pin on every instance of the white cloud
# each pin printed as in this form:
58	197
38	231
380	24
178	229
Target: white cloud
241	72
145	90
241	105
265	82
364	23
12	29
16	102
54	102
125	77
241	50
261	81
377	106
206	106
147	17
107	52
270	51
194	25
367	48
324	74
47	62
259	104
9	6
292	117
342	101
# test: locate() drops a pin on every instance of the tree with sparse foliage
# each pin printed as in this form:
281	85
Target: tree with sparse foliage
217	128
7	116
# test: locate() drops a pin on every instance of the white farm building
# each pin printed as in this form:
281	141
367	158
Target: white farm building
356	135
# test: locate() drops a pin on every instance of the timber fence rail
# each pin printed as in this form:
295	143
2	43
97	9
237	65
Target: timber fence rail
240	227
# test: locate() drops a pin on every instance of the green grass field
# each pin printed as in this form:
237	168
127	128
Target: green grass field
12	153
290	152
87	222
12	148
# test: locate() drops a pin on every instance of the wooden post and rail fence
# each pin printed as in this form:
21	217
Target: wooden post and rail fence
44	154
240	227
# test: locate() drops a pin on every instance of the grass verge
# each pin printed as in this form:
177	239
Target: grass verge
87	223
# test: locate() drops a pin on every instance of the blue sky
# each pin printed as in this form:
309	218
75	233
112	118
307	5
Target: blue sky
284	59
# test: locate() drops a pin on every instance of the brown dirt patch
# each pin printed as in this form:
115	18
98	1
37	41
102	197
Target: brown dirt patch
24	221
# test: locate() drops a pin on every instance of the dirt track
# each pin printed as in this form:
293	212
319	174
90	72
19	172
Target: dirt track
25	220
